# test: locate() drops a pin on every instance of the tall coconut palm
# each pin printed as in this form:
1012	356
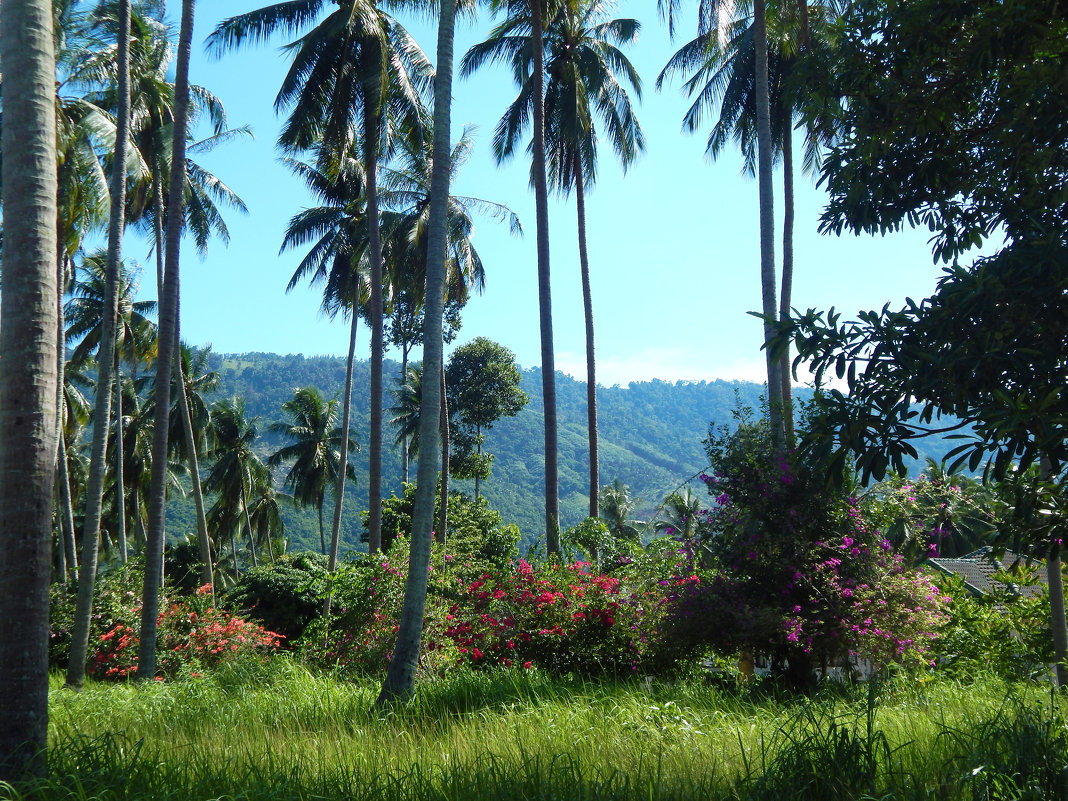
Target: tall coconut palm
583	68
400	677
528	68
168	335
721	70
28	383
196	379
105	356
236	472
712	15
348	71
314	450
337	259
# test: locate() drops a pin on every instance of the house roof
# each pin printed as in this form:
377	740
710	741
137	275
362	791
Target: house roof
979	567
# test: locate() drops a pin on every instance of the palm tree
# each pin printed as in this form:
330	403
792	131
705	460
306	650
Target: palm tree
237	471
679	516
336	259
134	340
408	399
400	677
721	65
314	449
196	379
357	70
710	17
28	384
616	505
583	59
528	67
106	356
168	337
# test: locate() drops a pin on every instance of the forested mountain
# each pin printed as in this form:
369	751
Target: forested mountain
651	435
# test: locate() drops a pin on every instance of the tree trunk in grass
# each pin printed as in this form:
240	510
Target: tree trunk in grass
106	366
400	678
168	328
591	359
27	382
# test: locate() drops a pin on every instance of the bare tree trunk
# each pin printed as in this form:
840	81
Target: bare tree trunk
343	460
168	327
68	549
446	461
248	523
27	382
207	575
1056	593
767	220
545	315
591	358
404	440
374	473
106	364
67	509
400	678
120	462
785	368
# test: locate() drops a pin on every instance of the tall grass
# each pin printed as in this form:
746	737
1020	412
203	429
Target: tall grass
254	731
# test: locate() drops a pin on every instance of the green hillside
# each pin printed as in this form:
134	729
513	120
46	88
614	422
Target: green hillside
650	434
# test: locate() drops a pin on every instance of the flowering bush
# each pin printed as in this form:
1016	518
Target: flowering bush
191	636
799	574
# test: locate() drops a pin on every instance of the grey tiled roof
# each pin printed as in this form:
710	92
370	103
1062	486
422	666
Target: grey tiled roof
978	569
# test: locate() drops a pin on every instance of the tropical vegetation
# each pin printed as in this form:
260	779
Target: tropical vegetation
726	604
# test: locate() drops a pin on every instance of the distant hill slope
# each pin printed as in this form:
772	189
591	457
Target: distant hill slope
650	436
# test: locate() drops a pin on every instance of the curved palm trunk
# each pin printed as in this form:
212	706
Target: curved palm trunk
203	541
120	462
168	327
767	220
787	273
404	439
67	510
248	523
343	460
27	381
374	476
400	678
591	360
446	444
545	311
68	549
106	360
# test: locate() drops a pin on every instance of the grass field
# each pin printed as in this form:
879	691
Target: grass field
253	731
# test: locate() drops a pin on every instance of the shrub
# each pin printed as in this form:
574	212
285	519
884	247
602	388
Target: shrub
284	597
191	636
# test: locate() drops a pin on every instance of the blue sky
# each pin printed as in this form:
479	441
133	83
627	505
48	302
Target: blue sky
673	244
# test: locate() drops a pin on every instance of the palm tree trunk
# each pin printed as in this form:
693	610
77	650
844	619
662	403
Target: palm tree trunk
343	458
1056	593
27	381
786	291
157	201
203	541
67	509
106	362
400	678
168	327
233	550
478	451
591	360
120	461
767	220
545	312
404	440
322	530
68	549
446	444
374	474
248	523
